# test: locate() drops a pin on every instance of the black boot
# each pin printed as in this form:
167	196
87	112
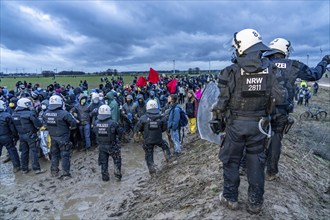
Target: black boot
105	177
117	173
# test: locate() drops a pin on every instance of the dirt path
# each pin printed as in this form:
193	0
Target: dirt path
186	188
27	196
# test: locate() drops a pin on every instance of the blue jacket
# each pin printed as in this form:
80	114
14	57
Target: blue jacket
174	118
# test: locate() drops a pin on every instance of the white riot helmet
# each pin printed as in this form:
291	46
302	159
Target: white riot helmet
104	112
24	103
152	104
245	39
55	102
2	106
280	45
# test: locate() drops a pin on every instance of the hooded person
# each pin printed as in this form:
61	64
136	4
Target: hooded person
152	96
94	105
152	124
82	113
128	116
140	106
107	133
113	104
12	105
59	124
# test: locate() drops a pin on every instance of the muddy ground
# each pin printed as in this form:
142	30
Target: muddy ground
185	188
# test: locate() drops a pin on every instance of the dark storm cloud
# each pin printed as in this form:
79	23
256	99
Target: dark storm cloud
19	33
99	34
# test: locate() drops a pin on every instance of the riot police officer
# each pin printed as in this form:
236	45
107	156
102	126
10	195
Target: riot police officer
153	124
291	70
107	133
7	135
246	93
27	125
59	122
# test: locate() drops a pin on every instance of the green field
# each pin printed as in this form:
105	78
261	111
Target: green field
93	81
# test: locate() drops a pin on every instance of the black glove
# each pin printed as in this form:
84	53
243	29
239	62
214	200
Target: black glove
326	58
217	126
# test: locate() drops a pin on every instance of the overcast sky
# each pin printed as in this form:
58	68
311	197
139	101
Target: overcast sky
136	35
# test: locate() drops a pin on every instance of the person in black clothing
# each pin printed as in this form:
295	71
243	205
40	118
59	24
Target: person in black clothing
153	124
107	134
8	137
27	125
247	90
59	122
291	70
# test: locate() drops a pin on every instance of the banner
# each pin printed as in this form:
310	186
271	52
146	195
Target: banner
153	76
171	86
141	81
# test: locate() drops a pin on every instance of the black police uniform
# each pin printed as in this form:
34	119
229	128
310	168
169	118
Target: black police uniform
246	94
291	70
59	122
153	124
7	135
107	133
27	125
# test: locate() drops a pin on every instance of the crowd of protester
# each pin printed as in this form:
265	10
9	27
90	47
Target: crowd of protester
127	101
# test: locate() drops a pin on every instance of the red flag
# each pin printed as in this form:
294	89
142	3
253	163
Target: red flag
171	86
153	76
141	81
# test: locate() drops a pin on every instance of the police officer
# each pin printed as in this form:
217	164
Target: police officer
27	125
7	135
107	133
59	122
246	92
153	124
291	70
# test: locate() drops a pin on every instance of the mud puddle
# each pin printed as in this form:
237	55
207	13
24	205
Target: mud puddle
85	195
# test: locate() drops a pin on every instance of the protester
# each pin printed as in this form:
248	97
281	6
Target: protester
82	113
191	111
173	123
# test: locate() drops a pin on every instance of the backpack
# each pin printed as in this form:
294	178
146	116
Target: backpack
183	118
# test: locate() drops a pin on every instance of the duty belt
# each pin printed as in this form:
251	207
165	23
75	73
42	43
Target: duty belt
246	118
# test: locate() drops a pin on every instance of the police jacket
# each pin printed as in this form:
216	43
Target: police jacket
247	86
152	124
107	131
6	125
59	122
26	121
293	69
